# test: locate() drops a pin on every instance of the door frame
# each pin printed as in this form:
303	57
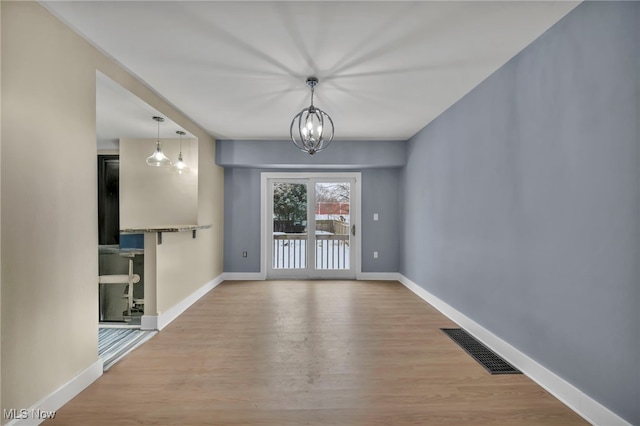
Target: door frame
265	226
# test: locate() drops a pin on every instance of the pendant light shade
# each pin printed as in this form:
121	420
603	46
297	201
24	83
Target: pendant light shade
311	129
158	159
180	166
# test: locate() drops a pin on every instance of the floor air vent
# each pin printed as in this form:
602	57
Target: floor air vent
489	360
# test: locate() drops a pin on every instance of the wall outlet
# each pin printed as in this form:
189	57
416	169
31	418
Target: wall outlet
375	254
244	254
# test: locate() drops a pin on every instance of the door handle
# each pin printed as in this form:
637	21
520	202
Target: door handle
353	230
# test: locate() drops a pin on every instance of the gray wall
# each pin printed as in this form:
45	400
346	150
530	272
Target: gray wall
521	203
241	220
379	195
380	189
284	155
379	162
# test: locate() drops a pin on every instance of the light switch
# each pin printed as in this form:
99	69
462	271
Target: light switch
375	216
375	254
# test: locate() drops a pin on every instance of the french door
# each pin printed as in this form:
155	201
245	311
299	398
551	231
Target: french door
311	225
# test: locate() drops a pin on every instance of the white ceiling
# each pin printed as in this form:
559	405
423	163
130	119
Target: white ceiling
122	115
238	68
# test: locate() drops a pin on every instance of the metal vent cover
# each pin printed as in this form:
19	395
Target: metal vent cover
487	358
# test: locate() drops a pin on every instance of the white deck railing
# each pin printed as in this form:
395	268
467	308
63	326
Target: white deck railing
290	251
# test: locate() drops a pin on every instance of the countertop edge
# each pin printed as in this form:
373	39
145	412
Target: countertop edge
168	228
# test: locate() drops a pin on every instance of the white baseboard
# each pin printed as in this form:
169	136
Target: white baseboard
160	321
379	276
164	318
587	407
259	276
243	276
59	397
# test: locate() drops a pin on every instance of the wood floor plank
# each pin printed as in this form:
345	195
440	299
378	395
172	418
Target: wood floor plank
309	353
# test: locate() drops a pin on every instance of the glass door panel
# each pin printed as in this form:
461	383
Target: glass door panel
310	226
289	225
332	230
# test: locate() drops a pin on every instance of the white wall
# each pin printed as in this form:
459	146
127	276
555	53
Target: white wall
49	228
183	263
177	260
154	196
49	205
1	212
210	210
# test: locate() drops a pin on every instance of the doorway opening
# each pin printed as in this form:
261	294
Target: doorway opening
120	257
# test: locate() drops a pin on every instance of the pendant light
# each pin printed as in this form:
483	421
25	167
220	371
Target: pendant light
180	167
311	129
158	159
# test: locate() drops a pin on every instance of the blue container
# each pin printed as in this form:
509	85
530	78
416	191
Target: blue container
131	241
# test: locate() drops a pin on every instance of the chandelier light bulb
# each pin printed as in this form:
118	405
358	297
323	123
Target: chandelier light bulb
180	167
158	159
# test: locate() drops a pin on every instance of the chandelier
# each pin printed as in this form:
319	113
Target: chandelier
312	129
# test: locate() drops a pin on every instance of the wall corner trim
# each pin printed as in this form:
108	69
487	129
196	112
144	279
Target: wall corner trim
65	393
585	406
149	322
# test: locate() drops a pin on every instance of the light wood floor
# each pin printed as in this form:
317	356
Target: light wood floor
309	353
